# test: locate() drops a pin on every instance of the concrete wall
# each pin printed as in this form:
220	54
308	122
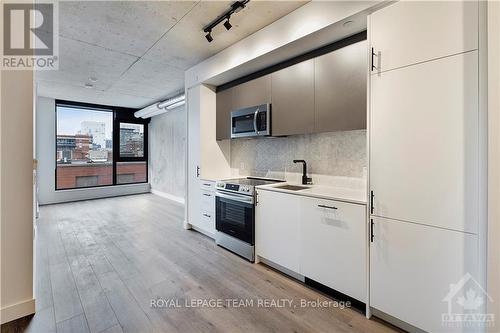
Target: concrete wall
16	198
46	152
167	154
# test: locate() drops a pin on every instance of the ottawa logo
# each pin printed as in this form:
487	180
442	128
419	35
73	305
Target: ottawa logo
467	303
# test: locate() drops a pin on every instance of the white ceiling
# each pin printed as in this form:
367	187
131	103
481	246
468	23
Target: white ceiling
139	51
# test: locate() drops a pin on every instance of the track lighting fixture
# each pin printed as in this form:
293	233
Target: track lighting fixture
209	37
235	8
227	24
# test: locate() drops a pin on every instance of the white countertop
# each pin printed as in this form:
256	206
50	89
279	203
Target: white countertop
352	195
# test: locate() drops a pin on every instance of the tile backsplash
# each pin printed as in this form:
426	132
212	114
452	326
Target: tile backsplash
336	154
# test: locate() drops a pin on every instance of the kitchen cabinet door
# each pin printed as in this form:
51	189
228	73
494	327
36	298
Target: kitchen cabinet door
277	228
412	267
224	104
410	32
194	216
340	89
293	99
424	143
333	245
252	93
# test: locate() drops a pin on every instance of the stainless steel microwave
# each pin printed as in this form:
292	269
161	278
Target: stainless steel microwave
251	121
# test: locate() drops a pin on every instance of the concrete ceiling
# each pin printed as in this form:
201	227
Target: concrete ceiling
138	51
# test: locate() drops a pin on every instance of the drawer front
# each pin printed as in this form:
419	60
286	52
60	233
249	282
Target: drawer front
207	201
207	221
207	185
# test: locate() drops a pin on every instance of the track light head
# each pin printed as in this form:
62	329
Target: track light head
224	17
209	37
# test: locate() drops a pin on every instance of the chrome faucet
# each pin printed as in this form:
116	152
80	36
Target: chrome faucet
305	179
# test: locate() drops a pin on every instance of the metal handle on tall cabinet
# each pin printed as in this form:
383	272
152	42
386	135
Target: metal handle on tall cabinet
371	202
371	230
373	54
197	171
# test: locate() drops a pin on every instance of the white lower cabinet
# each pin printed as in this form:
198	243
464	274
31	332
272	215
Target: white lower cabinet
324	240
205	221
418	273
277	218
333	245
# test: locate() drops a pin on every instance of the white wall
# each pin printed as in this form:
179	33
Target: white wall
16	198
494	159
46	152
167	154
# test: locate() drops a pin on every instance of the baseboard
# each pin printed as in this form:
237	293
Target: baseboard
177	199
16	311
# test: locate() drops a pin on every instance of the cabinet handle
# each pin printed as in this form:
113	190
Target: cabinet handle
373	55
372	208
197	171
329	207
207	184
207	195
206	215
371	231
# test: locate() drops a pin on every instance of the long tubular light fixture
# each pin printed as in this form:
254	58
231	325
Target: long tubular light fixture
146	111
175	105
161	107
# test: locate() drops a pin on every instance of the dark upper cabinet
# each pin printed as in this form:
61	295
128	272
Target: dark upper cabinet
340	89
223	114
292	109
252	93
324	94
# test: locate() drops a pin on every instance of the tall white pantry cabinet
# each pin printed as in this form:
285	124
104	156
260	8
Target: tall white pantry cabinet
424	158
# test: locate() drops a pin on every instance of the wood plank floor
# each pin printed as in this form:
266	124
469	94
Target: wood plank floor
100	263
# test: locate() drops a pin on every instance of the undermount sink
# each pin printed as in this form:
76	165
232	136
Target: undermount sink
292	187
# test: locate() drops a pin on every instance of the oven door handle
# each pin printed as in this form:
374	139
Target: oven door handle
240	198
256	113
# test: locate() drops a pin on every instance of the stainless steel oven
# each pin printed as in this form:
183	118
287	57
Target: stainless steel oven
234	222
251	121
235	214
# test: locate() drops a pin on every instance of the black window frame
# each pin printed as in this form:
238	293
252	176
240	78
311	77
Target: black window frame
125	115
120	115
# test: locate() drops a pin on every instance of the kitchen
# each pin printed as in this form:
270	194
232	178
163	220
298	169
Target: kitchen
255	166
288	166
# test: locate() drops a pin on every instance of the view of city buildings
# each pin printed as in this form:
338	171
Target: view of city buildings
131	140
85	156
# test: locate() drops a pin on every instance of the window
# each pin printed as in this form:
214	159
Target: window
99	146
84	149
131	140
